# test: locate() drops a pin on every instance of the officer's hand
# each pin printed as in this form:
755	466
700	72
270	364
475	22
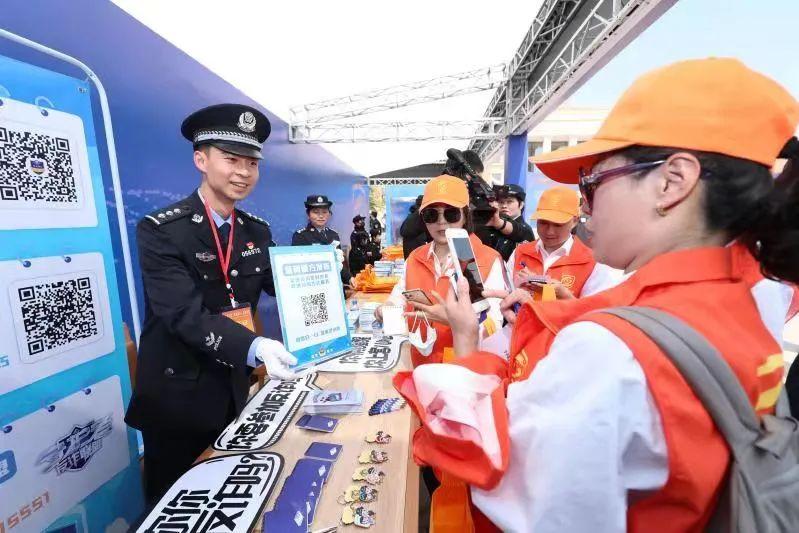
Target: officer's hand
276	359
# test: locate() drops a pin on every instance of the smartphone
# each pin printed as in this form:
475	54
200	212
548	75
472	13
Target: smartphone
460	248
536	280
418	296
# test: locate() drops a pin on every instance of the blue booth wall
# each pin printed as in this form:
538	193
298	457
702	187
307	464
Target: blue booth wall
152	86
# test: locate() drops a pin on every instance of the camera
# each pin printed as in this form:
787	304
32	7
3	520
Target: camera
480	194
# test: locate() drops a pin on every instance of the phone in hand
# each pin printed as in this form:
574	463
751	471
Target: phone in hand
460	249
418	296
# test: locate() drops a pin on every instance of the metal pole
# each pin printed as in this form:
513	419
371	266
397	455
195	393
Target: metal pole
112	159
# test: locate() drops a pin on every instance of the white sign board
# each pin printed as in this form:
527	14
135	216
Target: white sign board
219	495
266	416
56	315
369	354
53	458
45	180
310	301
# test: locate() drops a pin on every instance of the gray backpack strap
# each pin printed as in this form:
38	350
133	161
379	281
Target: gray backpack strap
703	368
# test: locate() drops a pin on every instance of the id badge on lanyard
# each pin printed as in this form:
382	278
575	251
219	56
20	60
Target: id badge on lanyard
241	313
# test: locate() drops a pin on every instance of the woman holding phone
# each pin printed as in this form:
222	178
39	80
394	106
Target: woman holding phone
428	269
590	427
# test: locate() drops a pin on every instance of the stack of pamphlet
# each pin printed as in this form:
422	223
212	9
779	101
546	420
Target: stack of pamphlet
334	402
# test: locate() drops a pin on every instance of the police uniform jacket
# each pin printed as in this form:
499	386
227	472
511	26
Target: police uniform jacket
309	235
192	371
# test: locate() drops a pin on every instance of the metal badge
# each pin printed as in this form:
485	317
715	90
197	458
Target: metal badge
358	515
373	456
247	122
371	475
205	257
197	218
381	437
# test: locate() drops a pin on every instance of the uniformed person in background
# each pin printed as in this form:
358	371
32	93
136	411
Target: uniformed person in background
204	264
317	207
375	226
359	226
512	229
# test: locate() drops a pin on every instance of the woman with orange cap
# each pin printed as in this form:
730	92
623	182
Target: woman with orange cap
567	263
590	427
445	205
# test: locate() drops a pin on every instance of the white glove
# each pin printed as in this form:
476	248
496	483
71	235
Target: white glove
339	255
276	358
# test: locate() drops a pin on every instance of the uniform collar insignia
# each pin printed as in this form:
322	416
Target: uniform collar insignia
197	218
205	257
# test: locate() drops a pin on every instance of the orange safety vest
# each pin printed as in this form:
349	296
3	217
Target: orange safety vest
420	273
702	286
571	270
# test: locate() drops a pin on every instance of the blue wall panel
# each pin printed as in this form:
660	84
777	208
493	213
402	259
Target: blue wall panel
152	86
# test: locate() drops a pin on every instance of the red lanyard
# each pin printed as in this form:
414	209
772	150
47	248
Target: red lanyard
224	260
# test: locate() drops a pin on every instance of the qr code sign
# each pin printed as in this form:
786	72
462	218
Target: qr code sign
35	167
57	314
314	308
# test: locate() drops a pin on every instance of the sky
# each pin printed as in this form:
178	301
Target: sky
287	53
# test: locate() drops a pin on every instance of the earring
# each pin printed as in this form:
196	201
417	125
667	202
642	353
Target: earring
662	211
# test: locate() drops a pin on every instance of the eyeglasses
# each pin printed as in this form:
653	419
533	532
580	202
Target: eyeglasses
430	215
589	183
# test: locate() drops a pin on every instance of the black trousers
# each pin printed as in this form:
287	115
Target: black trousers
167	456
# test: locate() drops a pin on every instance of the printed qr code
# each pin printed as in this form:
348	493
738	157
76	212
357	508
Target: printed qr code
36	167
314	308
57	313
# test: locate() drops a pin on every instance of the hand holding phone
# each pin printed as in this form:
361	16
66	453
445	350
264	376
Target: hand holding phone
460	249
418	296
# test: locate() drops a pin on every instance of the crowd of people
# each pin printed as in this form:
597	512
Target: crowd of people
584	423
549	411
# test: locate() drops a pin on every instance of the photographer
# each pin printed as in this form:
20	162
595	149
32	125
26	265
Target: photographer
412	230
511	229
491	227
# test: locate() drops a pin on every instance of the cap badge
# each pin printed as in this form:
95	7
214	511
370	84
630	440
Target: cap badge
247	122
442	188
319	199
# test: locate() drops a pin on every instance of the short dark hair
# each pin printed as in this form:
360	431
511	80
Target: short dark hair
746	203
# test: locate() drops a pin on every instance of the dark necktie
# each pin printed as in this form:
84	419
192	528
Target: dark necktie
224	233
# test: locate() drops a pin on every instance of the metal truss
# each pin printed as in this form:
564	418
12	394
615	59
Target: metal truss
384	182
331	132
397	96
568	41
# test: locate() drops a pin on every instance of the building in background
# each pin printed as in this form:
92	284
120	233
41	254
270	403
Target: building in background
567	126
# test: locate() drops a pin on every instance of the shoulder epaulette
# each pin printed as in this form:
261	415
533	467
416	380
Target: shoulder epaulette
254	218
168	214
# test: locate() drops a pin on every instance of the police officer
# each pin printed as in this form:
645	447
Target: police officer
204	264
359	226
375	226
508	225
317	207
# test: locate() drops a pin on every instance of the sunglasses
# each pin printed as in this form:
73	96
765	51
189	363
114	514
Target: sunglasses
430	215
589	183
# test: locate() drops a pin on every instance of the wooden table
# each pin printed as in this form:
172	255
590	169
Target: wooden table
397	506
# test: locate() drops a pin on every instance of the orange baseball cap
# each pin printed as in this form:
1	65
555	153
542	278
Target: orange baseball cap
711	105
558	205
445	190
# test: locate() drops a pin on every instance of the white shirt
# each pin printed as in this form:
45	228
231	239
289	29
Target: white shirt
602	276
494	281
